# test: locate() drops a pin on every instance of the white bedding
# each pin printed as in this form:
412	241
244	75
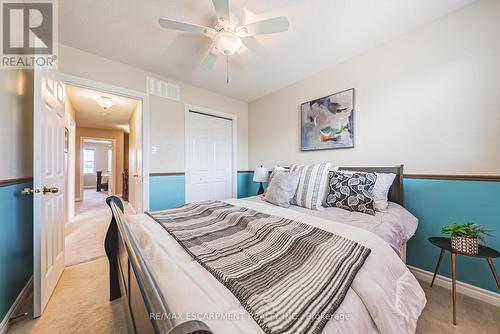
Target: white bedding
384	297
395	226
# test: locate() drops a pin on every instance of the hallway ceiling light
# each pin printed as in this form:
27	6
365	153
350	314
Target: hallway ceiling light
105	102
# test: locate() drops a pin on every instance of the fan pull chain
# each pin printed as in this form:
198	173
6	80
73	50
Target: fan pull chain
227	70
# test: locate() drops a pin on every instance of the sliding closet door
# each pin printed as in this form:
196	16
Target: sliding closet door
209	158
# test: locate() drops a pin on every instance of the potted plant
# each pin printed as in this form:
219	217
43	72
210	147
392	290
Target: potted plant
464	237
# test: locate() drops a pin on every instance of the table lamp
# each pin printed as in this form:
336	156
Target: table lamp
261	174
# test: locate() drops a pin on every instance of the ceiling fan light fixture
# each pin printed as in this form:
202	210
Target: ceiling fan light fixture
105	102
227	42
242	31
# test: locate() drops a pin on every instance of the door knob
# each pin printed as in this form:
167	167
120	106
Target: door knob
52	190
29	191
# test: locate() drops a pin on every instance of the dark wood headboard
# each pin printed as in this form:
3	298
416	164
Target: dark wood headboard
396	190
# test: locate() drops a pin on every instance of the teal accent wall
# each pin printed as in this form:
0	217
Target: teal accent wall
168	191
16	243
434	202
442	202
243	182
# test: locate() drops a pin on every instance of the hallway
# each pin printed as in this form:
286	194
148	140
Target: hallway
91	200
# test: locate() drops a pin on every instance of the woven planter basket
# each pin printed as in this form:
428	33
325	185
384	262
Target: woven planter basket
466	245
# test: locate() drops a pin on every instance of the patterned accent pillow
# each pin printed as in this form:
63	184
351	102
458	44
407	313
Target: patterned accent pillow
351	191
311	189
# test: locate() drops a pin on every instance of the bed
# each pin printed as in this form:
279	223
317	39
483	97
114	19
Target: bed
168	292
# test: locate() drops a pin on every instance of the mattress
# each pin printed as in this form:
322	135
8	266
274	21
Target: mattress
395	226
384	296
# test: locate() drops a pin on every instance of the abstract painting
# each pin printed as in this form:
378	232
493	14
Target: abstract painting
328	122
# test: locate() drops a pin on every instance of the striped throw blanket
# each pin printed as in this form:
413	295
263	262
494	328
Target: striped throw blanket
289	276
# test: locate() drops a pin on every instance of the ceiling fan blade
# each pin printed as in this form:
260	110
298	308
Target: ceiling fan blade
183	26
221	8
269	26
209	61
253	53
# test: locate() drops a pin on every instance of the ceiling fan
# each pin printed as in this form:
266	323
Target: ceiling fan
226	34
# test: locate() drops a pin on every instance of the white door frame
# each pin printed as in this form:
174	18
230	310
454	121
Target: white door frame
71	172
187	148
113	171
117	90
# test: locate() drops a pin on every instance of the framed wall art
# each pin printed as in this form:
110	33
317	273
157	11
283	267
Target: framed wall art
328	122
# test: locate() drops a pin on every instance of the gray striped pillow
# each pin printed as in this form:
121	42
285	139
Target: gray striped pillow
311	189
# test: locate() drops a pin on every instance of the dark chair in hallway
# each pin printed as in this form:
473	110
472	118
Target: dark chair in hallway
100	185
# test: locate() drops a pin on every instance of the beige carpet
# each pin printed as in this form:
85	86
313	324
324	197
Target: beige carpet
79	304
91	200
86	232
473	316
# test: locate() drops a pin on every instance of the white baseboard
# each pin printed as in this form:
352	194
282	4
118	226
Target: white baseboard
15	306
484	295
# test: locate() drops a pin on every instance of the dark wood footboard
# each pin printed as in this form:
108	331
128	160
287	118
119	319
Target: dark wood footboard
130	278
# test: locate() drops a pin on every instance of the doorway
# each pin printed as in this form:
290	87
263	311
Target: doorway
97	172
108	133
59	123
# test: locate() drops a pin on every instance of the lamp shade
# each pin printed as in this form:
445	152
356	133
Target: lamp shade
261	174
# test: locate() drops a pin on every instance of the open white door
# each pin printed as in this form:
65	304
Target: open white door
48	182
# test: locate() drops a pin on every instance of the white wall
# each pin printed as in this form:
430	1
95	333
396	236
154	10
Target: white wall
101	162
166	116
16	124
430	100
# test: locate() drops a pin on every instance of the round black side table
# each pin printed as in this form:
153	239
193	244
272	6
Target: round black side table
484	253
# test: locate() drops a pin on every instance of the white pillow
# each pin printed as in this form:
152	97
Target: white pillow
282	188
277	169
380	190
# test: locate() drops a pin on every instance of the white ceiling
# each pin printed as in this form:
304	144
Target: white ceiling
322	33
90	115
